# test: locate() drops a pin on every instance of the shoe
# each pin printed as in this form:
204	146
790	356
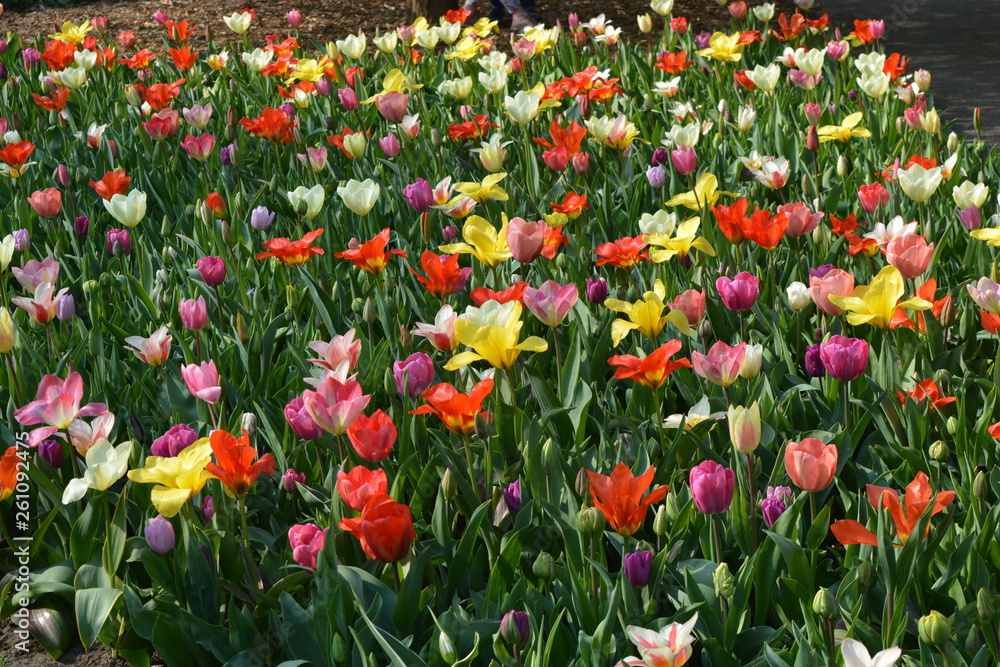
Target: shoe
520	20
535	17
473	17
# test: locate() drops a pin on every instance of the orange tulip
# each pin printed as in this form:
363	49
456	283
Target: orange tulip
926	390
59	55
457	411
292	253
652	371
811	464
515	292
111	184
904	515
55	101
572	205
444	275
360	485
624	253
184	59
272	124
620	498
371	257
236	467
927	291
385	528
9	464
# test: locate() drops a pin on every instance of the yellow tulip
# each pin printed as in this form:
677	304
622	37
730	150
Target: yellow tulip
672	243
309	69
178	479
481	28
706	192
394	82
726	48
875	304
482	241
989	234
645	315
843	132
73	33
492	331
7	334
488	189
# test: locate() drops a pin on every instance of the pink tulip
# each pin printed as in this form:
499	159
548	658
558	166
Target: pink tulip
47	203
813	112
971	217
294	17
153	350
212	270
721	365
41	307
581	163
314	158
389	145
348	98
441	333
307	541
392	105
34	273
194	313
872	197
56	404
692	303
738	10
844	358
198	115
551	302
910	254
83	436
160	17
298	418
162	124
291	479
684	159
340	349
525	239
986	294
801	220
336	404
835	283
202	381
740	292
712	487
200	147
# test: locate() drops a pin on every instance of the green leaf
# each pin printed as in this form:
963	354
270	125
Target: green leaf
93	605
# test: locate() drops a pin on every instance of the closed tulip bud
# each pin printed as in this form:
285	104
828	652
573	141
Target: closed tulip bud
986	606
291	479
798	296
951	425
7	335
544	566
923	80
446	648
581	163
934	629
752	361
977	120
842	166
638	566
645	22
241	329
931	122
979	485
591	521
812	138
661	521
248	422
160	534
515	628
824	604
725	585
369	313
51	451
549	456
744	427
952	142
939	451
448	484
482	430
807	189
705	329
65	308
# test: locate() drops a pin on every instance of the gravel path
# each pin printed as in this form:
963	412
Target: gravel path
957	41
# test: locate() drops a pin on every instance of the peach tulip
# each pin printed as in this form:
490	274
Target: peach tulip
910	254
525	239
811	464
836	282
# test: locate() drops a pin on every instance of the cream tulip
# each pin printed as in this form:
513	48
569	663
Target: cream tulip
359	196
128	209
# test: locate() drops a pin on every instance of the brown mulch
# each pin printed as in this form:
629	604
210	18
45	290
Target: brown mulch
327	20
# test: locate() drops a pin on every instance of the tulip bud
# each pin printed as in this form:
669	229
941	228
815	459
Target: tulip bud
923	80
977	120
50	626
812	138
368	311
979	485
752	361
725	585
638	566
591	521
645	22
705	329
160	534
51	451
544	566
824	605
248	422
515	628
842	167
952	426
939	451
581	163
582	483
448	484
447	648
952	142
291	479
62	176
208	508
241	329
934	629
931	122
548	456
986	605
339	649
798	295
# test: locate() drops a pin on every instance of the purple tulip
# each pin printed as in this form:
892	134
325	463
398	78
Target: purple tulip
821	271
660	156
685	160
288	109
515	628
301	422
81	225
512	495
291	478
51	451
712	487
739	293
31	57
261	218
970	217
323	87
348	98
3	72
22	239
226	155
65	307
702	40
657	176
449	233
844	358
389	145
160	534
119	242
212	270
413	374
174	441
814	362
775	504
638	567
419	195
208	508
597	290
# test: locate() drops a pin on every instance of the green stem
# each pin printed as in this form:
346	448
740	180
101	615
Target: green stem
248	554
752	501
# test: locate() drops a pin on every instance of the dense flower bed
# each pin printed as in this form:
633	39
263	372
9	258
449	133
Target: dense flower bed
417	350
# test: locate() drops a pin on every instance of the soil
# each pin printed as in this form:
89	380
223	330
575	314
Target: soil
323	21
36	656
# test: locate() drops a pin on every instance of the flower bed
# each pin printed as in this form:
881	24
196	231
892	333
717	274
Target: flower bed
424	351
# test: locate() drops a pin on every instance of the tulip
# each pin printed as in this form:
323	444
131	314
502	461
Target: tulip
638	566
739	293
239	22
307	541
159	534
51	451
712	487
835	282
515	628
524	106
484	242
65	307
291	479
492	332
389	145
177	438
385	529
47	203
261	218
920	183
798	295
348	98
581	163
814	362
360	197
844	358
413	375
775	504
153	350
622	499
441	333
880	301
198	116
7	334
801	220
294	17
872	197
721	365
419	195
656	176
200	148
744	427
813	113
128	210
597	290
392	105
81	225
512	495
42	306
684	160
106	464
298	418
307	202
119	242
910	254
373	437
212	270
986	294
810	464
21	238
336	404
551	302
202	381
752	361
194	313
